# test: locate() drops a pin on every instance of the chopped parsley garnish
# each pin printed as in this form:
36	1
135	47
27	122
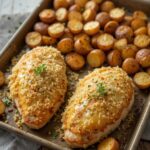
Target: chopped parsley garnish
40	69
101	89
54	134
6	101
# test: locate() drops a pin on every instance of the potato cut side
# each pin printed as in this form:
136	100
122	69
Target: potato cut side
61	14
142	80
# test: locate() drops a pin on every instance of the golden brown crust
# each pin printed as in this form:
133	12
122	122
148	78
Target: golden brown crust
38	96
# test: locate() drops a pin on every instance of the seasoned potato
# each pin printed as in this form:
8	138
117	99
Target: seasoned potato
56	30
2	107
130	65
75	15
111	27
129	51
67	34
82	46
47	40
82	35
96	58
71	2
117	14
137	23
143	57
61	3
105	42
107	6
81	3
120	44
41	27
33	39
47	16
91	5
142	80
103	18
140	15
142	41
75	26
75	61
75	8
98	1
127	20
141	30
109	144
91	27
94	40
124	31
2	78
61	14
148	28
148	70
114	58
65	45
89	15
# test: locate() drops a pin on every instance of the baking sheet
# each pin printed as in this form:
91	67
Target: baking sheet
128	132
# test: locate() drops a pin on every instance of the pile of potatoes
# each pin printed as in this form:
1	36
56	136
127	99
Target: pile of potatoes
96	32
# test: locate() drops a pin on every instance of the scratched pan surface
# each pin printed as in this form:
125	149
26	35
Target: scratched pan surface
128	133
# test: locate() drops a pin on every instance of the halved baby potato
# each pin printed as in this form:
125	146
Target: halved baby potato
92	5
107	6
2	107
142	80
75	15
120	44
137	23
47	40
61	3
62	14
41	27
141	30
140	14
89	15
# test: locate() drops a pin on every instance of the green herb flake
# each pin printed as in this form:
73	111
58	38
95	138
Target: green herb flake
39	70
6	101
101	89
54	134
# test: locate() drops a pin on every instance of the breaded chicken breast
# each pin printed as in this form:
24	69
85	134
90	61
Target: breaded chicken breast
101	100
38	84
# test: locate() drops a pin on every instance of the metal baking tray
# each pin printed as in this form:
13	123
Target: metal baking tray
130	130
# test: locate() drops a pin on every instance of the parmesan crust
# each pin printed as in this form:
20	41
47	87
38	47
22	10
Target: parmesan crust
88	117
38	96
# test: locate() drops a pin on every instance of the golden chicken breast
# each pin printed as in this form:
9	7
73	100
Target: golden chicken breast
101	100
38	84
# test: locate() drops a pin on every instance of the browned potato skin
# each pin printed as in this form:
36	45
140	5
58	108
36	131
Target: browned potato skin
104	46
41	27
142	80
129	51
81	35
111	27
142	41
140	15
124	31
82	46
143	57
2	78
108	144
130	65
141	30
148	70
98	1
70	2
89	15
75	8
75	61
81	3
148	28
74	25
61	3
67	34
75	15
120	44
114	58
137	23
127	20
47	16
33	39
94	40
2	107
62	14
91	5
107	6
96	58
47	40
65	45
103	18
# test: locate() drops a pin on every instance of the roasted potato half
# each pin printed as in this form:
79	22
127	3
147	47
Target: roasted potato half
47	40
96	58
107	6
62	14
75	61
120	44
75	15
137	23
2	107
111	27
61	3
41	27
142	80
140	14
108	144
143	57
89	15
